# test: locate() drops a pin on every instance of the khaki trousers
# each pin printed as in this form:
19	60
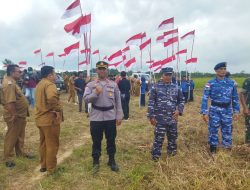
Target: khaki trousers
14	138
49	145
72	95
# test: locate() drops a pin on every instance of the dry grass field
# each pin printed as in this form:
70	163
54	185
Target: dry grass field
192	168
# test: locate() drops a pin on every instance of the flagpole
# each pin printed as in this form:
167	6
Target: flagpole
54	61
78	60
42	59
141	56
192	47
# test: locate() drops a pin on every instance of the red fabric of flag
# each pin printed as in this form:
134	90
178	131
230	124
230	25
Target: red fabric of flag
95	52
181	51
130	62
22	63
174	31
126	49
83	62
168	60
73	9
145	44
114	55
62	55
136	39
85	51
189	34
37	51
50	54
68	49
168	23
191	60
171	41
155	64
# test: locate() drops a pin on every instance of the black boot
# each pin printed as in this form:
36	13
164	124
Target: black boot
213	149
112	164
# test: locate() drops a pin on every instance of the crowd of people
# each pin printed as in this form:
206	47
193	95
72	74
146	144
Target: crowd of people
106	101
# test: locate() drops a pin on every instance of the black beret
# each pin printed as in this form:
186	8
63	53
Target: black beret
219	65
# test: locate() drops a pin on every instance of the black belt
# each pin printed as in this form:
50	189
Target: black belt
102	108
222	105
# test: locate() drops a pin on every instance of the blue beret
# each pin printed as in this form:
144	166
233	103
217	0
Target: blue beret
219	65
167	70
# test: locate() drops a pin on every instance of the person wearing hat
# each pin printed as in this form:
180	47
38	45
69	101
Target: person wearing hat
224	98
245	102
105	115
166	103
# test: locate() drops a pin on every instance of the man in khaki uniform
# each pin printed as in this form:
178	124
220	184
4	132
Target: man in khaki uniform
15	113
48	117
72	93
66	82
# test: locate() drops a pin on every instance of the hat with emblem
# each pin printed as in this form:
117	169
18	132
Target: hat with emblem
167	70
220	65
101	64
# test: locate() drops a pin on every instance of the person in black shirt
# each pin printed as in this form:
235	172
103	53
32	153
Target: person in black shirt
80	87
124	86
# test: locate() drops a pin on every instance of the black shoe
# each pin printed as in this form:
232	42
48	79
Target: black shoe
43	170
171	153
96	165
10	164
213	149
113	166
155	159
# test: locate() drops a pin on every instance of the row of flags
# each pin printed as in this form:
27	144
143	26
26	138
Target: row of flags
81	27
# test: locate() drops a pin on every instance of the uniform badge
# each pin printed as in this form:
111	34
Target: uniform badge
9	82
110	94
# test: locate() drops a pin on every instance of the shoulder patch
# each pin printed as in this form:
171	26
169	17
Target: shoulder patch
9	82
208	85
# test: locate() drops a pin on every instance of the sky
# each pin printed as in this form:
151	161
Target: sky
221	30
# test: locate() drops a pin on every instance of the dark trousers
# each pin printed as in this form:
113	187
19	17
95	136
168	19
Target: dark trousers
185	94
80	97
96	129
125	105
142	100
191	95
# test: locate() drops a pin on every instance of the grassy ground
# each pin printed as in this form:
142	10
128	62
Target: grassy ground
191	168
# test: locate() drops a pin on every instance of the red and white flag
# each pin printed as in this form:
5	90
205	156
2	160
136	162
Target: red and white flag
115	55
171	41
96	52
136	39
129	63
79	26
192	60
188	35
37	51
181	51
72	10
155	64
105	57
22	63
166	24
68	49
174	31
145	44
126	49
83	62
157	69
50	54
85	51
114	65
160	39
62	55
168	60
